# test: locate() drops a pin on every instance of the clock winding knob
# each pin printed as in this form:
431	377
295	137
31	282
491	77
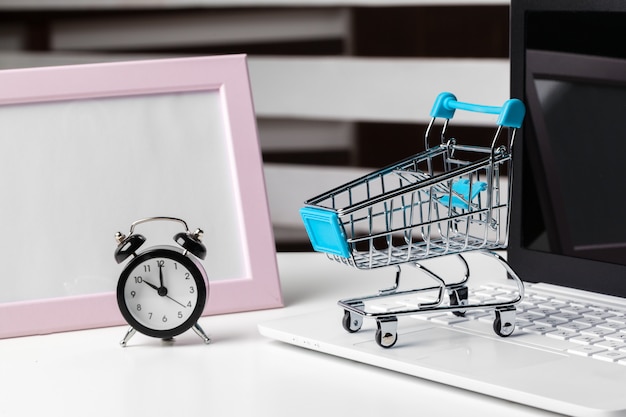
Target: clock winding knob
119	237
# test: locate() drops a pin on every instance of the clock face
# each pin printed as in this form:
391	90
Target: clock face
162	292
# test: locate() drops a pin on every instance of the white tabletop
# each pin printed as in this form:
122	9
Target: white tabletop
241	373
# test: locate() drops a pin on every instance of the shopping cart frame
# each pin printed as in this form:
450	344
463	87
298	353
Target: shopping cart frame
431	212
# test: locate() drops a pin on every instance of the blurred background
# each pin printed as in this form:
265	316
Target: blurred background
340	88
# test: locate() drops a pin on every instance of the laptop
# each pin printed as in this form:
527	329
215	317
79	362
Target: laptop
567	238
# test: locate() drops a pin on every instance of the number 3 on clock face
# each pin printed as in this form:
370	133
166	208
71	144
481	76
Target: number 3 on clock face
162	292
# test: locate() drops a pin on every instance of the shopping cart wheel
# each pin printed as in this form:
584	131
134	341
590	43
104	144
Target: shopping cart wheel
351	321
387	335
458	297
504	324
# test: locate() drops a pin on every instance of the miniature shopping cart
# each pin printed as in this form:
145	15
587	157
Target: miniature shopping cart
450	199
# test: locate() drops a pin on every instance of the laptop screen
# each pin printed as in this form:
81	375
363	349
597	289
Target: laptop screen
576	147
568	225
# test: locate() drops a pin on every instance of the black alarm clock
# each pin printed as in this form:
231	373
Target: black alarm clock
162	291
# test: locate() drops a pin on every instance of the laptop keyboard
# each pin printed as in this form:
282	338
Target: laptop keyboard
553	318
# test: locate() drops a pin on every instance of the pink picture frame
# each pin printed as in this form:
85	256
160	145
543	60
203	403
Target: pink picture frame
255	284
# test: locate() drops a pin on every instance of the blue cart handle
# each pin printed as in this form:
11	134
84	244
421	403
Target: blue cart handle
511	114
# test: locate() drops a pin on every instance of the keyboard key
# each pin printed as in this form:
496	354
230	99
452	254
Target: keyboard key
596	307
612	344
407	302
538	329
562	334
505	285
597	331
586	340
575	327
576	309
566	316
610	355
620	337
617	319
601	315
522	324
529	316
616	311
592	321
526	305
490	286
555	305
544	311
505	297
486	293
477	300
586	350
612	325
550	321
538	296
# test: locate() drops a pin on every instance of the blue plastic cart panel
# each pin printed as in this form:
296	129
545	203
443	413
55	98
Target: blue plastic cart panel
325	232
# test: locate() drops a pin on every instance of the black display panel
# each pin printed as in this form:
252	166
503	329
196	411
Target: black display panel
568	64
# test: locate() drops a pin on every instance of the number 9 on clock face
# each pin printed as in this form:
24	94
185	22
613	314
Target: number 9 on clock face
162	292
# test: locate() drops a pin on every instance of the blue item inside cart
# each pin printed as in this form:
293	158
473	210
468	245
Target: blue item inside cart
462	188
325	231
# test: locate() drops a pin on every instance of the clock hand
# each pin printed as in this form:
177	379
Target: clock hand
161	275
162	291
180	304
150	285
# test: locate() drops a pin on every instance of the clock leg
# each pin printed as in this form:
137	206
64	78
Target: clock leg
196	328
130	333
